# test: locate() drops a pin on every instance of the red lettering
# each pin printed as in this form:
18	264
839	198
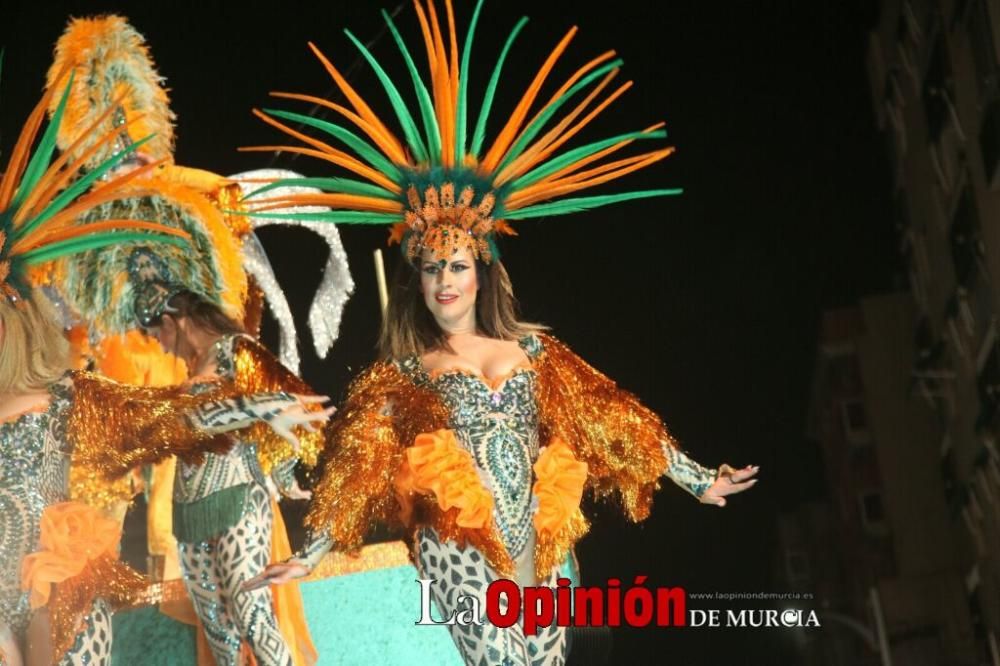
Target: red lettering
638	604
539	607
588	605
496	616
667	597
614	602
563	602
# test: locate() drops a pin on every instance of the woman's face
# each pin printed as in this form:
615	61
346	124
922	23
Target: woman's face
165	334
449	289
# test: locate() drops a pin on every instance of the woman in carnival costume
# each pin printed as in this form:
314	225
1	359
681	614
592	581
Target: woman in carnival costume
222	275
476	431
61	574
223	516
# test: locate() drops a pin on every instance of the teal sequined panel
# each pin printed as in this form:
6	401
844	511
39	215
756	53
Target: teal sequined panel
147	636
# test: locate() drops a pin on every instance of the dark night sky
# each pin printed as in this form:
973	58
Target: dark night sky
705	305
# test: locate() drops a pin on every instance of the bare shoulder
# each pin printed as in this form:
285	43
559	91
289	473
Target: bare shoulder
14	405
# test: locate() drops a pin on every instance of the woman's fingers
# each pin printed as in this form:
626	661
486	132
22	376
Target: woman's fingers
257	582
297	416
288	435
738	487
741	475
310	399
729	482
276	574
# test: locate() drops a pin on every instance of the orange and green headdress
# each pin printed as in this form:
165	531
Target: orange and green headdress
112	69
444	186
116	84
40	198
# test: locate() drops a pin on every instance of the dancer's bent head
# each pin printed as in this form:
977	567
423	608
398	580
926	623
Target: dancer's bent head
178	318
431	299
34	352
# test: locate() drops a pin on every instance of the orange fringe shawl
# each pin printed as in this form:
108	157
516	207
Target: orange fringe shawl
585	418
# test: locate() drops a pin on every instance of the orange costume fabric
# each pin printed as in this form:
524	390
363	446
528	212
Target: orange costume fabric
76	564
389	429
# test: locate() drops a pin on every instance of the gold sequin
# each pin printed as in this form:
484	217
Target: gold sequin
370	558
258	371
618	437
115	428
607	427
71	600
366	437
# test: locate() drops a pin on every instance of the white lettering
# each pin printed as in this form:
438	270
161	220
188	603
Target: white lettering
425	604
734	620
471	615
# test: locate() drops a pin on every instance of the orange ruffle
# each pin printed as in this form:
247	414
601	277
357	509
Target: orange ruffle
72	535
559	483
436	464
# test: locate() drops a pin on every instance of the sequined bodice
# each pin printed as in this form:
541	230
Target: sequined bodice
34	473
498	425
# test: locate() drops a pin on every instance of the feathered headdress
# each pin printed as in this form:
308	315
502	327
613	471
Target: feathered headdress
112	70
445	187
116	82
40	198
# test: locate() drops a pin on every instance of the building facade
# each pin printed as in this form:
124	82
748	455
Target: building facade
934	69
884	567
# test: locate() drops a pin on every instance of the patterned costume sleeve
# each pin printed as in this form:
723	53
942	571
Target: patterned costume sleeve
256	371
382	414
313	551
625	445
114	427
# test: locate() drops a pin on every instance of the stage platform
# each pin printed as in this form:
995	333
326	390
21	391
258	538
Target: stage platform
361	611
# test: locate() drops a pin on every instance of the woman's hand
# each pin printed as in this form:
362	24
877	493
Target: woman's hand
729	482
297	414
276	574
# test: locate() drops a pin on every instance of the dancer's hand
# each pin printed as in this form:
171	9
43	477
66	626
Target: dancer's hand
729	482
276	574
297	414
281	411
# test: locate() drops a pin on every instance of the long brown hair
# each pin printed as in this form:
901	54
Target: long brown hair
34	352
409	328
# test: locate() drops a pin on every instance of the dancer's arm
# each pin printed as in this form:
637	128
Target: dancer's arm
116	427
298	566
257	370
626	446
